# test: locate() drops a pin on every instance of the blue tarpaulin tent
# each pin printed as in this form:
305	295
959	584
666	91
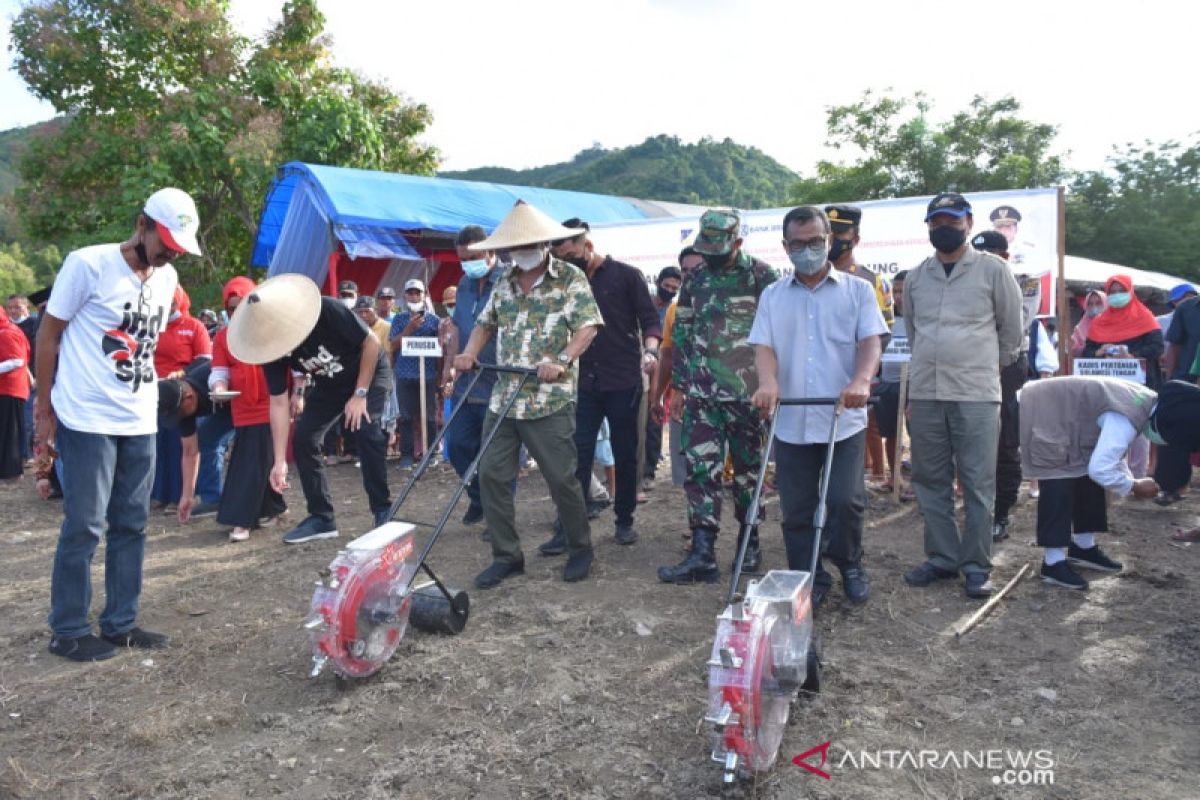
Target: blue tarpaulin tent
312	209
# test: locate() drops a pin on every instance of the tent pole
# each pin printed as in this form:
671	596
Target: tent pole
1064	318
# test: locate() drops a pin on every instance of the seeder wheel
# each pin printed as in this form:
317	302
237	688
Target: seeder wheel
433	613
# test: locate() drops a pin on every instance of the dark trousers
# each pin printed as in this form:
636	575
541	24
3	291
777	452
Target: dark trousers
408	396
248	496
463	437
168	467
654	436
1008	453
621	409
1173	469
550	441
323	408
1069	505
797	477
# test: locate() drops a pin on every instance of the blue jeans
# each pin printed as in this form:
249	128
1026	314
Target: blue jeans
462	443
106	486
213	435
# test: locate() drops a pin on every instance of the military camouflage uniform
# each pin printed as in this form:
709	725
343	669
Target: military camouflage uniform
713	367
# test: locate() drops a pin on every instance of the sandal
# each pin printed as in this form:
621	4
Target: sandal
239	534
1166	498
907	495
1192	535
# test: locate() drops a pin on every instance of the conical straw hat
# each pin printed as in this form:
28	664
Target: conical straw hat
274	319
524	226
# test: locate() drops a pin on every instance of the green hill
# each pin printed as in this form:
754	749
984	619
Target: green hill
12	143
661	168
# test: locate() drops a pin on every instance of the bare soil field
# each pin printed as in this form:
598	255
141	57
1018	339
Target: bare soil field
596	690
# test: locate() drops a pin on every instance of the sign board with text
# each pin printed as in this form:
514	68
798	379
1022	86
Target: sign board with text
427	346
1126	369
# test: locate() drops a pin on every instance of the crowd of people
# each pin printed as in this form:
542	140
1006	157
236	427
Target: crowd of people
136	399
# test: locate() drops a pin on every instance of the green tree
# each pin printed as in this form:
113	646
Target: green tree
902	153
169	94
1142	211
16	276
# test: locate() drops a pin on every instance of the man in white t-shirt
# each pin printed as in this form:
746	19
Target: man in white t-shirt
99	406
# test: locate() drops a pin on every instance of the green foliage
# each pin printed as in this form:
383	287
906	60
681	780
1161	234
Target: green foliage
662	168
985	147
1144	211
160	94
22	272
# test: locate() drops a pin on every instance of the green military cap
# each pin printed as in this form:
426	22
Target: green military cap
843	218
719	228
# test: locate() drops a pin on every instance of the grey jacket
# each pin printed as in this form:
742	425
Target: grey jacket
961	329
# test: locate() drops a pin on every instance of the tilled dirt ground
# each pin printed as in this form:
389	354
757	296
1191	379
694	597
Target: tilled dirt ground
596	690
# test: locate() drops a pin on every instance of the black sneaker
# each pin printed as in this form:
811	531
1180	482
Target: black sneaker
556	545
474	514
625	534
926	574
203	509
1061	574
311	528
1092	558
136	637
82	648
596	507
856	584
1000	530
1166	498
498	571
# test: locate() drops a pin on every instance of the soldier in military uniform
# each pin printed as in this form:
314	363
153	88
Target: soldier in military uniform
543	316
713	369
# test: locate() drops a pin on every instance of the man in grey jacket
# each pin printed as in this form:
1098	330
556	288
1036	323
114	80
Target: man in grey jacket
962	310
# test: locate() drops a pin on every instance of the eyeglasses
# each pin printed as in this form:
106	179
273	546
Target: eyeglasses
797	245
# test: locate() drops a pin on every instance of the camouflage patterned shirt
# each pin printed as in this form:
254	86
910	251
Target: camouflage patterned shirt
712	358
531	327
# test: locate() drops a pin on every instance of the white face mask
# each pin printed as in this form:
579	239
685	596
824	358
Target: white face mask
528	258
348	302
415	307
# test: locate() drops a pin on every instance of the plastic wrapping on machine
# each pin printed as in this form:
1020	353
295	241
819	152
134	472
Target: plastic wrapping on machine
360	613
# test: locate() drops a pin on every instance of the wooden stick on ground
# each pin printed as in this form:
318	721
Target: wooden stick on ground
990	604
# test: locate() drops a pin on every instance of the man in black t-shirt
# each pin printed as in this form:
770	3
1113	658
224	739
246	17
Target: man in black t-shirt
286	324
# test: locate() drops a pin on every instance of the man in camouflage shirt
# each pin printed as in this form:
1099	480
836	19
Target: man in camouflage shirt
713	369
543	316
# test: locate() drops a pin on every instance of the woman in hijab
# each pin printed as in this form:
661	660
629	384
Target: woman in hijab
1094	305
1128	323
14	391
1127	329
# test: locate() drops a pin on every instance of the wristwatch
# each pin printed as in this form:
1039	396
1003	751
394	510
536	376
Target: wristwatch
360	392
564	359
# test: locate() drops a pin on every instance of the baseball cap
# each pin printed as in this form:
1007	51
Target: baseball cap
719	228
990	240
347	286
950	203
1180	291
175	217
364	301
386	291
413	283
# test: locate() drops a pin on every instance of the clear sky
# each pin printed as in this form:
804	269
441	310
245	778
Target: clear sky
531	82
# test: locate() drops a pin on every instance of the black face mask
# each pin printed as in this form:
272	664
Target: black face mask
839	248
716	262
579	261
664	295
946	239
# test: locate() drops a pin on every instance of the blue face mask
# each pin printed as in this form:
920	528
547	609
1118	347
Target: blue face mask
1118	299
476	268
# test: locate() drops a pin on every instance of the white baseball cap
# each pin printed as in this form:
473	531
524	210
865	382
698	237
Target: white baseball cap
174	214
413	283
